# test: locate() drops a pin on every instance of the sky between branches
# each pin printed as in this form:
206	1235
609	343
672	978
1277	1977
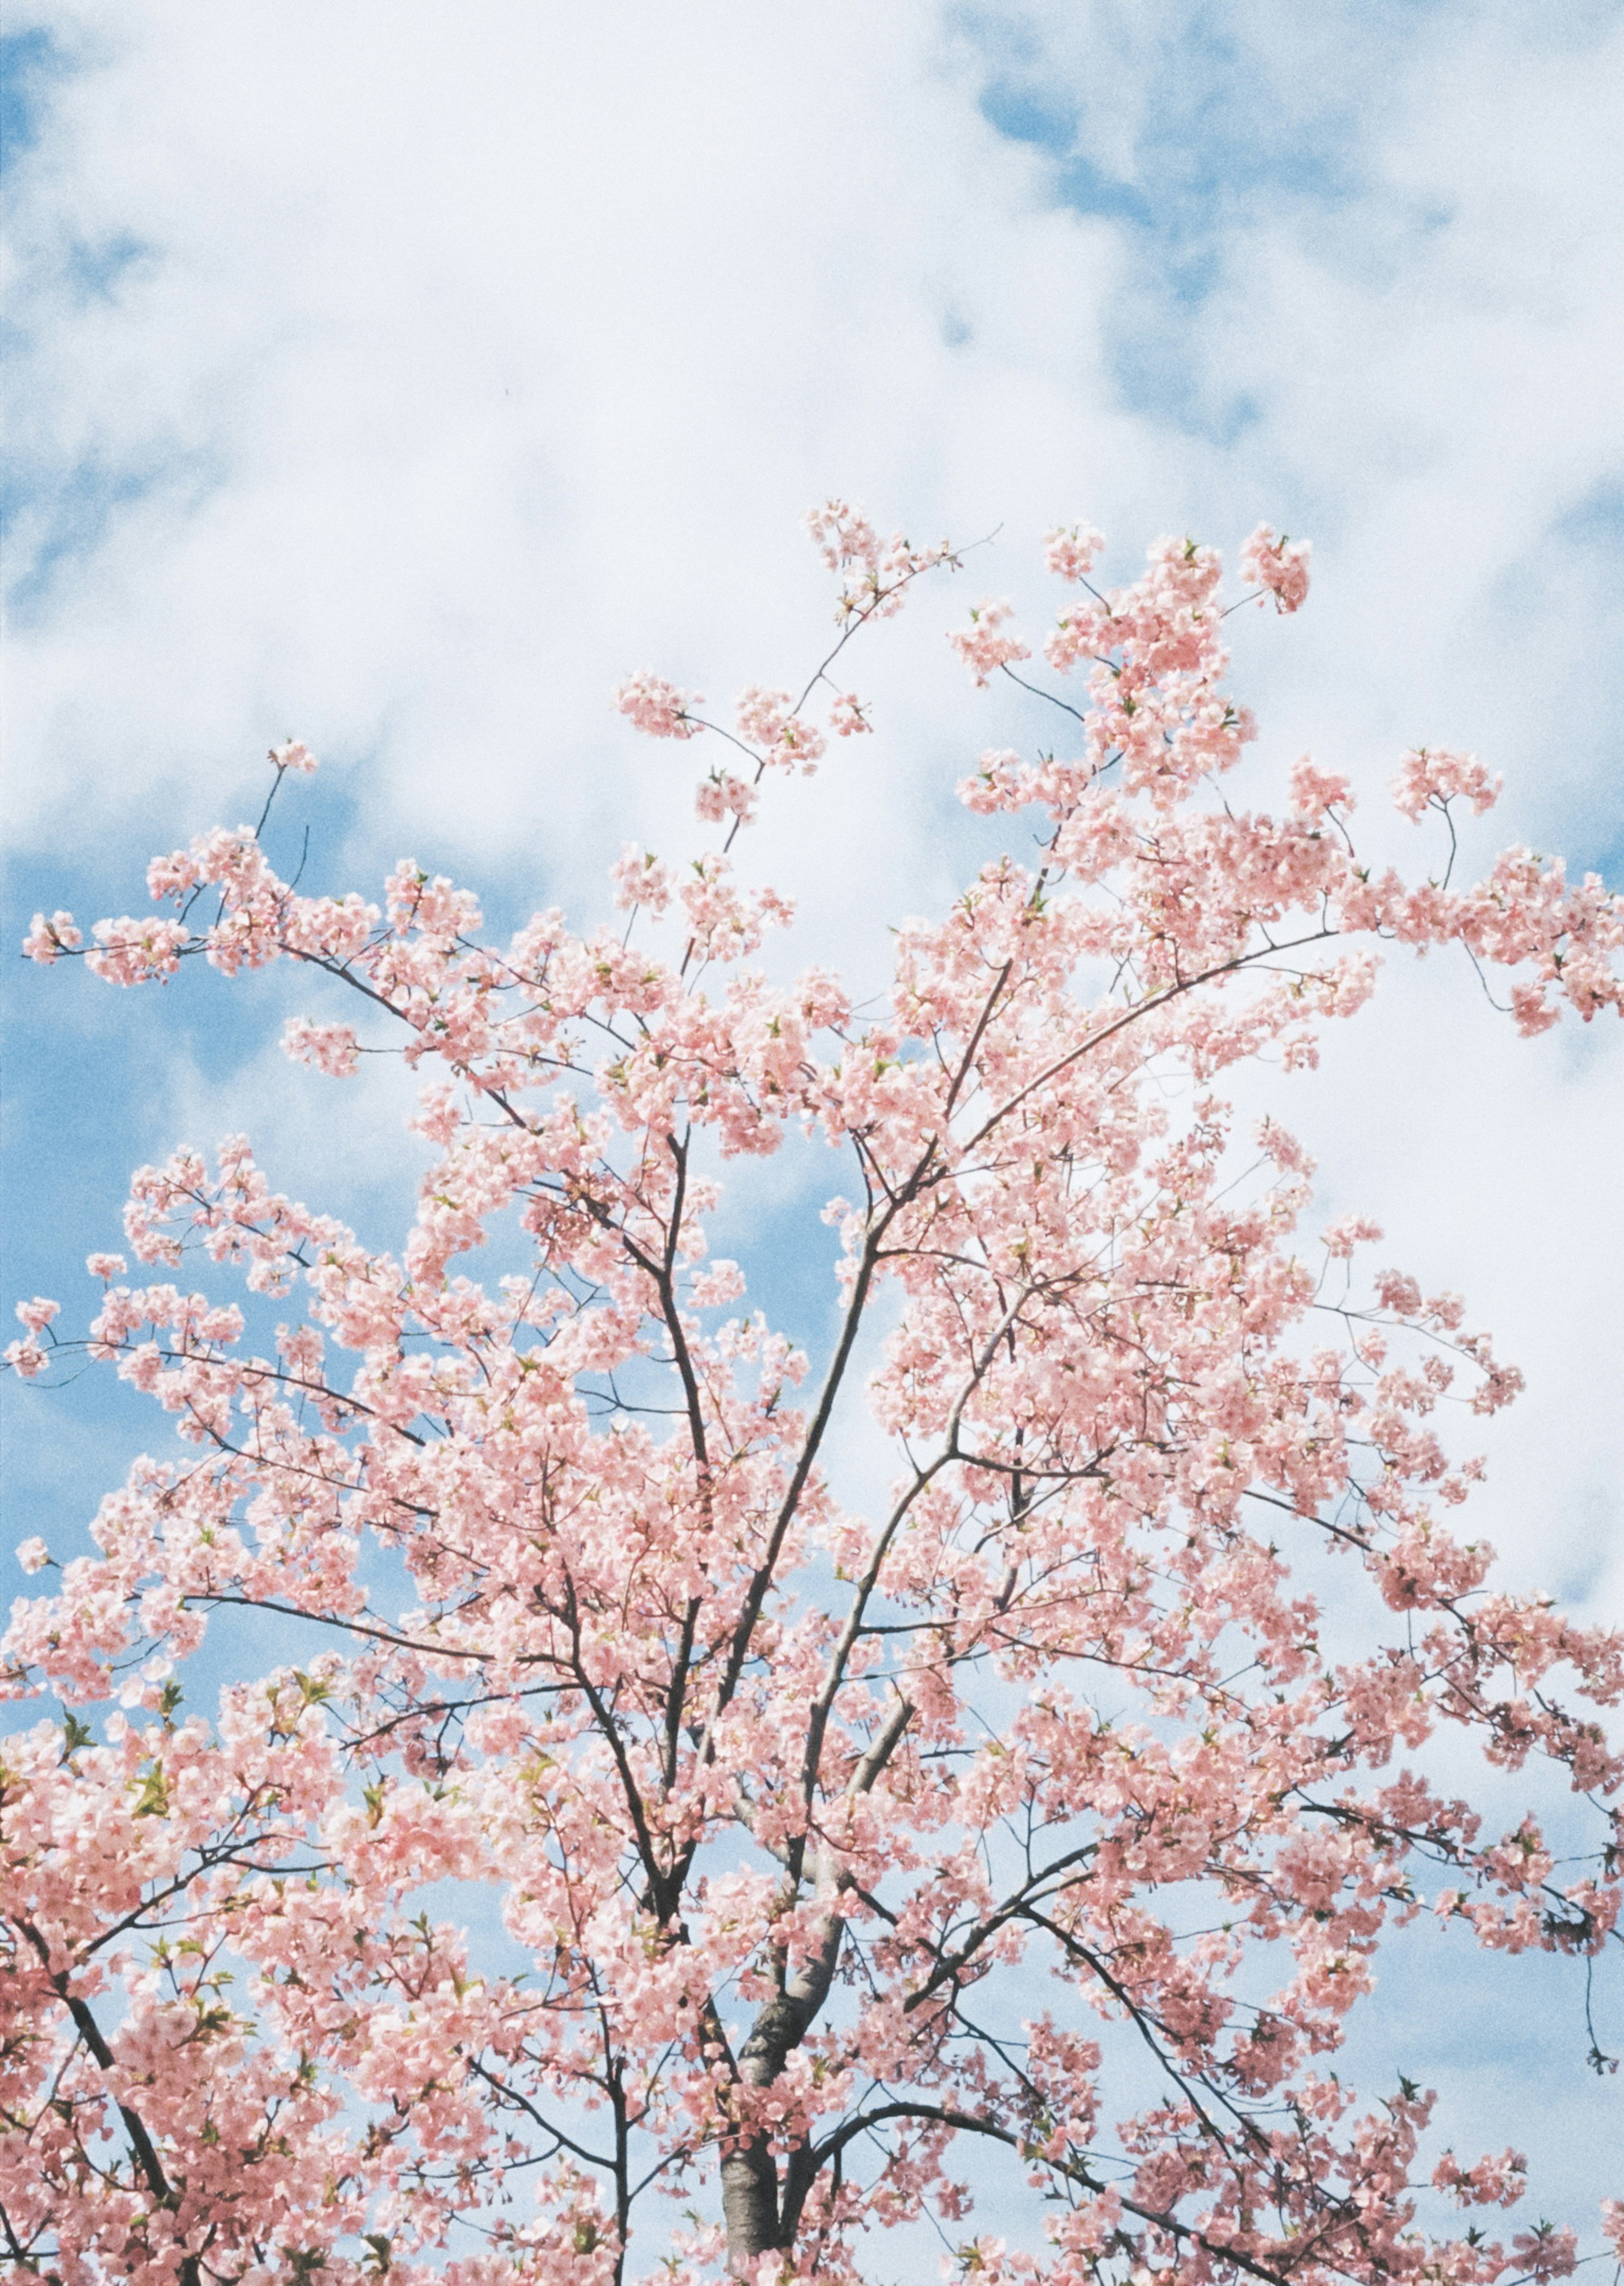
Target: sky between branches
400	376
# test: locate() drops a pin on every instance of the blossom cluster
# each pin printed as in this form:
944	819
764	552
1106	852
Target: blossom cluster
1279	566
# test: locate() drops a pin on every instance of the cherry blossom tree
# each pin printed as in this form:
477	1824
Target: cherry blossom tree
1039	1828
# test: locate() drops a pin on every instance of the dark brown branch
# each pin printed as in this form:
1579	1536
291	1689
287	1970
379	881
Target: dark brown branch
969	2122
140	2142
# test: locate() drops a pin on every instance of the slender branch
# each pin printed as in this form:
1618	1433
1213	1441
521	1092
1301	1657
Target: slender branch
972	2124
1146	1007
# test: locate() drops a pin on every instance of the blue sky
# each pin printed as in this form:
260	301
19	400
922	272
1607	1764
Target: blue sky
404	388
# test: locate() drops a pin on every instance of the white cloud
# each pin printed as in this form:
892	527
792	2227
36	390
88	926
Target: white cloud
461	363
469	366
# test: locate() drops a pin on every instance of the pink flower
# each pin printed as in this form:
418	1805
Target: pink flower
1280	566
33	1555
1070	553
296	755
1314	791
136	951
982	649
843	534
330	1048
849	717
47	940
1432	777
657	708
724	794
875	574
1339	1238
641	880
1498	2181
1546	2252
765	720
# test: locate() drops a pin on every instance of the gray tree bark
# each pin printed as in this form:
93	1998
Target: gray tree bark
752	2208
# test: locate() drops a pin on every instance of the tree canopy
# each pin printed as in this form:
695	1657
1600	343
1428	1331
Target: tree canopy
1040	1827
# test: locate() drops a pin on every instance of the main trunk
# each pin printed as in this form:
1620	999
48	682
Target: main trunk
758	2221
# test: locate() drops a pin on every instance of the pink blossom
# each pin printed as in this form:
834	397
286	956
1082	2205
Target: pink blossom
843	534
725	794
848	716
1278	565
657	708
1070	553
641	880
874	574
1339	1238
131	952
47	940
1432	777
1315	791
982	649
330	1048
1491	2182
765	720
